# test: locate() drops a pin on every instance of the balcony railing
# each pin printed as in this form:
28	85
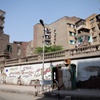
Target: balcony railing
81	26
83	33
86	51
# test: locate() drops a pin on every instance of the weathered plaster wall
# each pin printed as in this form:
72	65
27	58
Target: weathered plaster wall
26	73
86	68
66	77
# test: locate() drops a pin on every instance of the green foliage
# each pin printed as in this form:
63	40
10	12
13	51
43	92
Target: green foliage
53	48
38	50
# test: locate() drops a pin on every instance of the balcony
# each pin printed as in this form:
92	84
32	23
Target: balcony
82	26
2	16
47	37
82	34
98	18
1	26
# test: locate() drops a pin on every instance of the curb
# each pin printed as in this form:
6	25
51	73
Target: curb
21	91
63	96
17	91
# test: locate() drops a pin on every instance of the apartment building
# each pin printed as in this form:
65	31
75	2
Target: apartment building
4	38
60	32
94	25
69	32
88	31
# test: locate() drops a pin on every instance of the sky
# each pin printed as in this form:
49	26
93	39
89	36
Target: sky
22	15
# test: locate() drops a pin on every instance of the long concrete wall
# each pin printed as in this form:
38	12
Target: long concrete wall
25	74
85	68
28	73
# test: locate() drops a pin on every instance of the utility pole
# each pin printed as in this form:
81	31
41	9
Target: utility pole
42	23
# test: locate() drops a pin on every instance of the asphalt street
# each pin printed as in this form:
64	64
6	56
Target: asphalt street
88	94
20	96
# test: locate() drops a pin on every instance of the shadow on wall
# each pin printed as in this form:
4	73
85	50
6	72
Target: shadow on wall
3	78
89	73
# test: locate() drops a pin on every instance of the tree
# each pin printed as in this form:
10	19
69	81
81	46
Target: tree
39	50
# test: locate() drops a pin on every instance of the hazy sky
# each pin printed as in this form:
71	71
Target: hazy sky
22	15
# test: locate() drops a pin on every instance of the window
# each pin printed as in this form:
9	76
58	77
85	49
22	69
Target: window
18	50
72	42
99	37
47	42
98	17
92	21
9	48
80	40
1	29
95	39
93	29
71	25
99	26
72	33
89	38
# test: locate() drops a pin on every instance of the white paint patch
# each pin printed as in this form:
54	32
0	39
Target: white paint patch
66	77
81	73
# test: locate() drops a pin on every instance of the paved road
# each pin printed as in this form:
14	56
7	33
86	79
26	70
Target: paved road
83	93
20	96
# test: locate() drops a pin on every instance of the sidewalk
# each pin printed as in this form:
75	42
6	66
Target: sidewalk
87	93
17	88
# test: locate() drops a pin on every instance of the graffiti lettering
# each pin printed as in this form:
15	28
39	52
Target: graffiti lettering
27	72
27	68
46	70
14	73
13	69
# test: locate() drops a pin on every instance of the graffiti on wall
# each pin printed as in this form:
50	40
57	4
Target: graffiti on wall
28	71
47	73
12	71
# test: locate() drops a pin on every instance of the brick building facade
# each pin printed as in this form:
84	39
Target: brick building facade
12	50
4	38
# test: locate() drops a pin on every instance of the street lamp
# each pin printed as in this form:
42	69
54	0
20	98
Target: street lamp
42	23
